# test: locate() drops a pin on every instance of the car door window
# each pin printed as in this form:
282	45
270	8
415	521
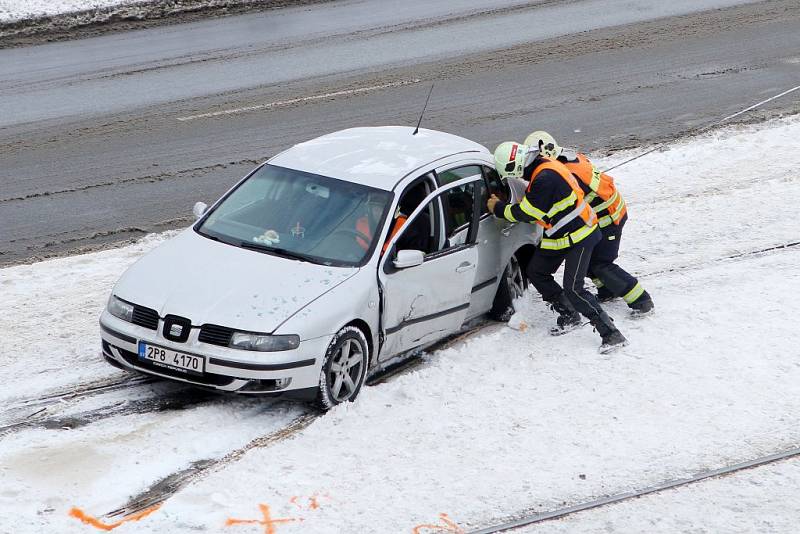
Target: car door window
420	235
458	202
493	186
458	208
451	175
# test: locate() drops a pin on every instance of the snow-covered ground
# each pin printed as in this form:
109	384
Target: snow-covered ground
763	501
506	421
11	10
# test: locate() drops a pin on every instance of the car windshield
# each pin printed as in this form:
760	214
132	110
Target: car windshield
300	216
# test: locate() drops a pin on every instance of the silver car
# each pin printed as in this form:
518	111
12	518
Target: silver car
332	259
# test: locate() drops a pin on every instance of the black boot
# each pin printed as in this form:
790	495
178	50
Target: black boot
642	307
605	295
612	338
568	319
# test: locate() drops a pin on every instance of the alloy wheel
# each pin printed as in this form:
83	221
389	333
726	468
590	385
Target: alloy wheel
515	278
345	370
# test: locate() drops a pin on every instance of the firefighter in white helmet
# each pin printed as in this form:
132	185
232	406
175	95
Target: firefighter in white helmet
554	201
601	193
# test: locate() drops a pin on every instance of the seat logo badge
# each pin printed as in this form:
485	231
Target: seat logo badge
175	330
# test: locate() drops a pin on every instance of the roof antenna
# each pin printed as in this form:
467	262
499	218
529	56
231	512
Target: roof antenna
423	111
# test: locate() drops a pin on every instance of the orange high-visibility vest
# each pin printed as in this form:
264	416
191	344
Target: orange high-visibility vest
604	197
398	223
362	225
585	211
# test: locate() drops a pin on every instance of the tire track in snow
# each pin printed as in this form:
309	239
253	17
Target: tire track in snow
168	486
42	416
181	399
78	391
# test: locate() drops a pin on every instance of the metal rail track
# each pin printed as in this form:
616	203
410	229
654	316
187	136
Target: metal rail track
168	486
558	513
163	489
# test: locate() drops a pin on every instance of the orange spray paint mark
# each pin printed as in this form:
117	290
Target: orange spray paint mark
448	526
313	502
77	513
268	523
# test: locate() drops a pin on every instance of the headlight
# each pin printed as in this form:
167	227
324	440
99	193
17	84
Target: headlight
120	308
264	342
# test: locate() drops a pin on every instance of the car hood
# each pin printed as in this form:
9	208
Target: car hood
210	282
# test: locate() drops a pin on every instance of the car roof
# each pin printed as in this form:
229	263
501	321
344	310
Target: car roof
378	157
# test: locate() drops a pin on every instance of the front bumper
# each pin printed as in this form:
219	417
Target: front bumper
226	369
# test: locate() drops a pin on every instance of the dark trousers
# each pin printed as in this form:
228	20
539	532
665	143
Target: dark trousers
614	278
576	264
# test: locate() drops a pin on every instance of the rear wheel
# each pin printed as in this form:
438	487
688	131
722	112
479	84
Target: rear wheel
512	285
344	368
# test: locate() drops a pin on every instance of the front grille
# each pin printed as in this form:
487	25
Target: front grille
206	379
216	335
145	317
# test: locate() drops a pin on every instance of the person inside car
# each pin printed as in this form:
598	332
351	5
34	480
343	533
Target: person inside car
418	235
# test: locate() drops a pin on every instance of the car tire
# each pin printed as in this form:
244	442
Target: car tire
513	284
344	368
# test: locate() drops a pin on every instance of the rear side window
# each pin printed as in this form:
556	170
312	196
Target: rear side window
458	173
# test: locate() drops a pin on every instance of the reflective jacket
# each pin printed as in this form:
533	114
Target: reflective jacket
363	227
601	193
554	200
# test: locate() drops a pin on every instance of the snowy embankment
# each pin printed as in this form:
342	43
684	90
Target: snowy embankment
504	422
15	10
81	12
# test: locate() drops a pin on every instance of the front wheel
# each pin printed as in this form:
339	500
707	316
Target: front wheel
344	368
513	284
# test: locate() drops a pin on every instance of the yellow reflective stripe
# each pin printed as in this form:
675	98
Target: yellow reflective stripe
595	183
634	293
565	242
597	283
579	235
607	203
554	244
589	197
618	213
561	205
609	219
508	215
532	210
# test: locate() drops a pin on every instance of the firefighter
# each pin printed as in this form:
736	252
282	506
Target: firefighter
554	200
602	195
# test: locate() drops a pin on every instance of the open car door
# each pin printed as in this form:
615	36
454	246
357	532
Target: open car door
426	293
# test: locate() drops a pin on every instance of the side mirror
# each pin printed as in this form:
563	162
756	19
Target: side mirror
199	209
409	258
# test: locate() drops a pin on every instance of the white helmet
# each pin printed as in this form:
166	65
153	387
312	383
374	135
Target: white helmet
545	143
509	158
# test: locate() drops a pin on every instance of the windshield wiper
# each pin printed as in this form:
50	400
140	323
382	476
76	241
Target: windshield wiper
277	251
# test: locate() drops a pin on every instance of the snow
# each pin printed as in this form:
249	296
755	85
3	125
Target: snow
12	10
503	422
749	502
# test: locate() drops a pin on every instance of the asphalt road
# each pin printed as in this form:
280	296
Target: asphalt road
104	139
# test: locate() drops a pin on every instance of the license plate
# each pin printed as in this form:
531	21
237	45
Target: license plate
161	357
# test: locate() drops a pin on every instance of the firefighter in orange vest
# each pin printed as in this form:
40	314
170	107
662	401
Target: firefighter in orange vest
366	224
602	195
554	200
